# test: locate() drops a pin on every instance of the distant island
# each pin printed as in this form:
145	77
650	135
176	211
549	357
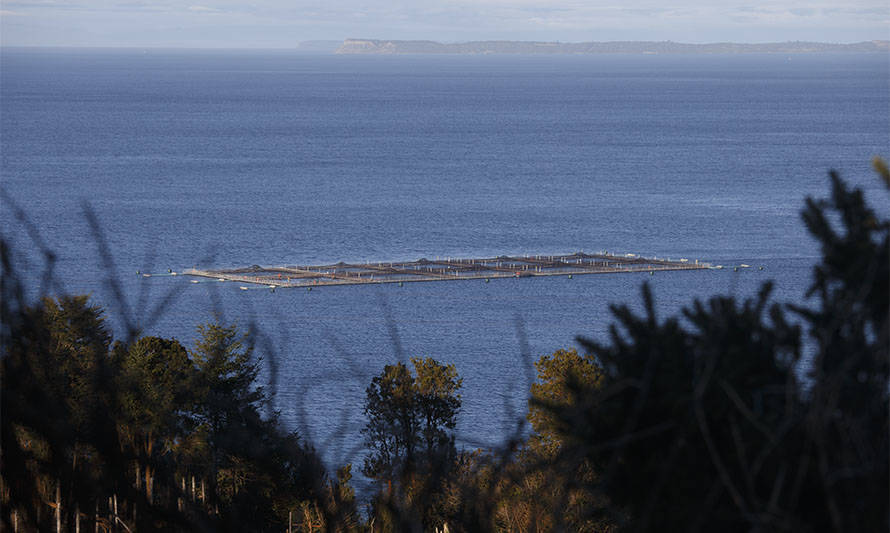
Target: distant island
375	46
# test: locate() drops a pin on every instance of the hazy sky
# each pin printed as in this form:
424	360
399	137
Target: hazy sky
281	23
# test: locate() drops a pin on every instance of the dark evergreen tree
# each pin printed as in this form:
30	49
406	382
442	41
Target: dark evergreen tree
156	402
847	443
58	441
257	472
703	424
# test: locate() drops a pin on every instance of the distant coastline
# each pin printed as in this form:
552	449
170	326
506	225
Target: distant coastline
378	46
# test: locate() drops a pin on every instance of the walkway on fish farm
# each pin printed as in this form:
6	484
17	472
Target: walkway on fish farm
449	269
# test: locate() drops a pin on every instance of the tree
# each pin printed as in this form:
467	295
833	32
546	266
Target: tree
686	425
77	347
847	408
57	439
78	422
702	423
391	430
558	375
410	436
536	492
227	413
438	403
227	404
257	472
543	493
226	381
156	401
410	419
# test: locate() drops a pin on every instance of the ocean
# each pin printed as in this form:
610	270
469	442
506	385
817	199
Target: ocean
235	158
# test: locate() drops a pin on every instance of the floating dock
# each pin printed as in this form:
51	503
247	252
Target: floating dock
448	269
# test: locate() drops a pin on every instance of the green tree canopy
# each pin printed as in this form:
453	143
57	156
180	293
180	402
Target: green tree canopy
410	418
409	434
559	374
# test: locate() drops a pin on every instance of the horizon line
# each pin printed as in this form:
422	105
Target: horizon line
296	45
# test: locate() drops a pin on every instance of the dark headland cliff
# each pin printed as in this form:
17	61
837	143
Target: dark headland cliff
376	46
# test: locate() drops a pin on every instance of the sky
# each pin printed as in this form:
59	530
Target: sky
284	23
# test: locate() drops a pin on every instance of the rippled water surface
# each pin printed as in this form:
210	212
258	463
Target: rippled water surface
240	158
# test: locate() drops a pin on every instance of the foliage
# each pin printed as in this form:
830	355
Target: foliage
535	492
142	435
704	424
56	438
154	384
846	420
557	374
409	435
226	380
410	419
736	414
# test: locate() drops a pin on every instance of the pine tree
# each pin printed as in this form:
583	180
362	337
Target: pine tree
156	399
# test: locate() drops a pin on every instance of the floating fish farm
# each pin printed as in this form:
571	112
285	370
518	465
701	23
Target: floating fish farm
448	269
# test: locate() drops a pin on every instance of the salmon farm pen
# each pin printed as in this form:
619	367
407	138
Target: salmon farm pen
449	269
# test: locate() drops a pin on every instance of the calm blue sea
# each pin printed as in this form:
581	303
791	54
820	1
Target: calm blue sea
239	158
